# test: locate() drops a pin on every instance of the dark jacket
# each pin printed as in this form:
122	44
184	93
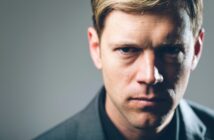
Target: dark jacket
197	121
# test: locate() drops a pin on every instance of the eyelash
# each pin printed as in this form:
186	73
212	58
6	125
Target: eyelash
170	50
129	50
163	51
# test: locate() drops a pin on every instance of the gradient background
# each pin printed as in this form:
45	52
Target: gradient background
46	74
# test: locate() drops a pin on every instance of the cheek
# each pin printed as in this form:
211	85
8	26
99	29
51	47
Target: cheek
114	71
177	71
177	79
181	85
117	77
171	74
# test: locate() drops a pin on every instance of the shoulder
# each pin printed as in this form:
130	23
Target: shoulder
197	115
63	131
71	127
84	125
205	114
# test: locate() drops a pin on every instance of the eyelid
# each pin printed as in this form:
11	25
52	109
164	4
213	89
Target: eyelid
171	47
129	50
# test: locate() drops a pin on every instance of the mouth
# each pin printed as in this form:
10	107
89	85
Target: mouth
144	102
153	99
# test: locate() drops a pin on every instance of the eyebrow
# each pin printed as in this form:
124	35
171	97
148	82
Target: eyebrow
124	43
173	40
177	43
171	45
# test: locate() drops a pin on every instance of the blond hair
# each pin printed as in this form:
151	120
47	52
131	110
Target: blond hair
101	8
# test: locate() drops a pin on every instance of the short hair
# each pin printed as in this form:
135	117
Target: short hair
101	8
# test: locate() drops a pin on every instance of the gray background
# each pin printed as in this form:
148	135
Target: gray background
46	74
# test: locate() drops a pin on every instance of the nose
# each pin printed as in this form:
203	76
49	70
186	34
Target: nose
148	72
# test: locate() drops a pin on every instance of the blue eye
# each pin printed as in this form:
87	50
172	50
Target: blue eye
171	50
171	53
127	50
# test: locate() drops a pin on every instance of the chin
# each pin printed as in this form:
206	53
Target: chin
147	121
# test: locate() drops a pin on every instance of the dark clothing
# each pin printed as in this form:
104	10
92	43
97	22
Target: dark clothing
112	133
190	122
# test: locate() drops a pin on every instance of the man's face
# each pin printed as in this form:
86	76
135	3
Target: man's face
146	61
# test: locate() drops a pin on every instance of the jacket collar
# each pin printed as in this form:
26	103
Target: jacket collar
90	127
194	127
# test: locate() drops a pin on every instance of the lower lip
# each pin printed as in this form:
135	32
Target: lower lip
145	103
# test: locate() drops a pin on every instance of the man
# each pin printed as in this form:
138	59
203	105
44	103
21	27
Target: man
146	50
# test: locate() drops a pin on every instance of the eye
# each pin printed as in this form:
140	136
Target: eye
171	50
171	53
129	50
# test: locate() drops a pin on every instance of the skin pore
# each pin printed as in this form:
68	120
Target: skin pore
146	61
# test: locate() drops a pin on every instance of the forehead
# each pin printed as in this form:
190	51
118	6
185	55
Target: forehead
121	25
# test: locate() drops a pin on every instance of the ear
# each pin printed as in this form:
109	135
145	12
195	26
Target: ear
198	48
94	47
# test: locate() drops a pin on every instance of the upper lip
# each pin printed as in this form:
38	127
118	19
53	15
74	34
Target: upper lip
149	99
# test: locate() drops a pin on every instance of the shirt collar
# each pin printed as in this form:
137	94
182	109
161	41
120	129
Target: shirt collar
110	131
